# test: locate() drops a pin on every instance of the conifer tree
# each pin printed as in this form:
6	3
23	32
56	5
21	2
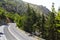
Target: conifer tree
52	28
43	26
31	19
58	24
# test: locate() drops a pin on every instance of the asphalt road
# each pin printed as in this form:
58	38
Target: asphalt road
2	35
19	34
12	33
8	35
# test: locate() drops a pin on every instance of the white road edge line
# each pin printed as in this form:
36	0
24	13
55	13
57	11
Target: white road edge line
13	33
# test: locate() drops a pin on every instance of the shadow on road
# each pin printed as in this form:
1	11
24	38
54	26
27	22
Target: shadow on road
1	33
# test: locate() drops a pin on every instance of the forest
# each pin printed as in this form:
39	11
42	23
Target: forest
43	26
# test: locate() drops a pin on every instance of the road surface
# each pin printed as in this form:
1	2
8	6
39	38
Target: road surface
19	34
2	35
8	35
11	32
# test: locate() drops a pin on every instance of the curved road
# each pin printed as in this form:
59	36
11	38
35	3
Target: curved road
18	34
8	35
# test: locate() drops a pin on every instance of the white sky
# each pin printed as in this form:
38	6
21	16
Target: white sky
47	3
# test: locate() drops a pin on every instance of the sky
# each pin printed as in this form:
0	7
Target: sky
46	3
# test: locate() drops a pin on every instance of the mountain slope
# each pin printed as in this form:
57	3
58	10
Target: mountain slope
21	7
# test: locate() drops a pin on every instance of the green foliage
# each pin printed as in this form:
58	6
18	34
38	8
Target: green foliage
31	19
58	20
58	24
52	31
47	26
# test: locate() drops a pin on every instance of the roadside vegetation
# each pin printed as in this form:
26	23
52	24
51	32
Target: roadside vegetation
41	25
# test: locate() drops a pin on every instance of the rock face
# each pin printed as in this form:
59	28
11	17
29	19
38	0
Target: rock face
21	7
40	9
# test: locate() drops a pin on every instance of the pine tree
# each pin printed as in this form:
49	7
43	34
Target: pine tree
43	26
58	24
52	28
31	19
37	25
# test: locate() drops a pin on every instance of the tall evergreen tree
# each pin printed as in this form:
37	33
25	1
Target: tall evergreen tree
52	28
58	24
43	26
31	19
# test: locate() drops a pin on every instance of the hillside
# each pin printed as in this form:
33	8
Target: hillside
34	19
21	7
